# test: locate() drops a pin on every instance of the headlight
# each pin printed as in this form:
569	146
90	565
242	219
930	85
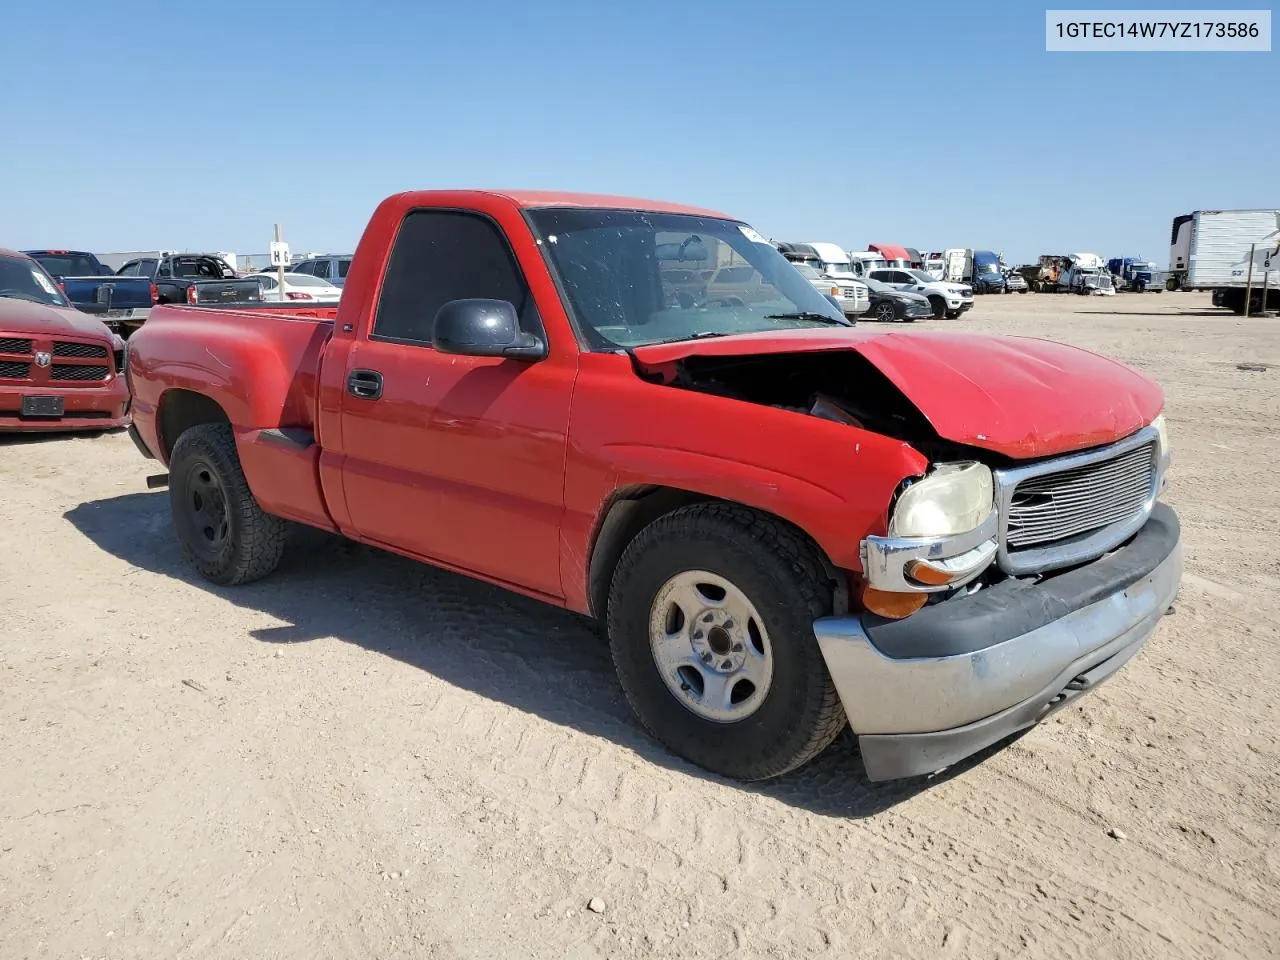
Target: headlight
955	498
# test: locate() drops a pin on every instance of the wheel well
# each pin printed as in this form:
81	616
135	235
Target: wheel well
634	509
180	410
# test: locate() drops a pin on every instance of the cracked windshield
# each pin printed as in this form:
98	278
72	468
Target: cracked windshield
640	278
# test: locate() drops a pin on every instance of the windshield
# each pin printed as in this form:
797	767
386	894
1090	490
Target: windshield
627	276
988	268
808	272
921	276
877	286
68	264
22	279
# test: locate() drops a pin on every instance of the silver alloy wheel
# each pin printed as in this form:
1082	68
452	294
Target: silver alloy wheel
710	646
886	313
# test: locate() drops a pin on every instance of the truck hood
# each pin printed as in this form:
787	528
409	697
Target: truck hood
1017	396
28	319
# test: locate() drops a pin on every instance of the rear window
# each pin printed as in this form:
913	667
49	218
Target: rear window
68	264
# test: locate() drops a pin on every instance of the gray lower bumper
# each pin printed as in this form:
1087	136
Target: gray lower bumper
917	715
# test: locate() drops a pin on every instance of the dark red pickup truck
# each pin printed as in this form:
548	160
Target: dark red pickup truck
785	522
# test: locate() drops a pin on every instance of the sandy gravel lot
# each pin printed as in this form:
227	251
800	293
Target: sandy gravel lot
363	757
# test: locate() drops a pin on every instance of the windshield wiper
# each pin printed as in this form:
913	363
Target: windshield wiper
807	315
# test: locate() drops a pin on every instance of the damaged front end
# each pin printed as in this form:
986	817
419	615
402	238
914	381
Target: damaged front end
941	533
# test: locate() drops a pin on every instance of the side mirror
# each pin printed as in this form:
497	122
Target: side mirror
484	328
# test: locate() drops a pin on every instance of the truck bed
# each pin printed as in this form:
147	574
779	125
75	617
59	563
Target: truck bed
209	351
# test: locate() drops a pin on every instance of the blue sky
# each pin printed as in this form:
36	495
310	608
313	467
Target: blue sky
135	125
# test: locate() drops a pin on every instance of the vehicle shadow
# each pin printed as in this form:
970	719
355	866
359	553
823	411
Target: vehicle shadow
1171	314
502	646
19	439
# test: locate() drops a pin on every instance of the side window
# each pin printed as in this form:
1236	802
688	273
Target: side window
306	266
130	269
343	267
440	256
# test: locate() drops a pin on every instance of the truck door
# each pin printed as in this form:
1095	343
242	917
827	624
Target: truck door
453	458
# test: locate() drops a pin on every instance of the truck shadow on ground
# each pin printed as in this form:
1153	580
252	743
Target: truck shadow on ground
1168	314
499	645
54	436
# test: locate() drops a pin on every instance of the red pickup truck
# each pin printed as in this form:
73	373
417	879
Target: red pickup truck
785	522
59	368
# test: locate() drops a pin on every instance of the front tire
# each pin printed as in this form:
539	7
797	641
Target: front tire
885	312
939	307
952	314
710	616
224	534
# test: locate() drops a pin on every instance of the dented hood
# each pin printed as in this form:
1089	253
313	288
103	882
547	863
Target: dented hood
1018	396
26	319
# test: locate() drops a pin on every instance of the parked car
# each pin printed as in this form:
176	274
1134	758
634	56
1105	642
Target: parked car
850	295
192	278
889	304
1014	282
332	267
783	521
947	299
297	286
58	366
92	287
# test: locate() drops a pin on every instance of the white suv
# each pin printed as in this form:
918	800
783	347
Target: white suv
854	298
948	298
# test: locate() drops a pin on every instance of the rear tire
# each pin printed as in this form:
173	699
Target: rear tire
224	534
694	575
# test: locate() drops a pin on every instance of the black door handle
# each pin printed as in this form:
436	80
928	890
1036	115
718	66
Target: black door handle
365	384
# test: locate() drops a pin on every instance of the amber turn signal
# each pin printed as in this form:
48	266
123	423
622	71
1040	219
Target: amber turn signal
928	574
890	605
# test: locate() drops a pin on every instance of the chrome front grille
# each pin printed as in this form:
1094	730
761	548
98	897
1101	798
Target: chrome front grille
1063	505
1071	509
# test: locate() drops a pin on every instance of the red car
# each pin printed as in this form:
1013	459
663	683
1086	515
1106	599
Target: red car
59	368
784	522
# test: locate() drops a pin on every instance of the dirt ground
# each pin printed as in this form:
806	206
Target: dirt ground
363	757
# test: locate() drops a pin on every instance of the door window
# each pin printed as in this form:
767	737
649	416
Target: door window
443	255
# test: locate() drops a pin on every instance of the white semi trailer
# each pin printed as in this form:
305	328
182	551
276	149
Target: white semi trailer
1209	250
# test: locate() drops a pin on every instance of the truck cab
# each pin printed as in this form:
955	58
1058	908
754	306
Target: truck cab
894	255
987	275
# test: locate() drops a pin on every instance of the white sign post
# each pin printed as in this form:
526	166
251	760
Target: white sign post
1267	260
279	260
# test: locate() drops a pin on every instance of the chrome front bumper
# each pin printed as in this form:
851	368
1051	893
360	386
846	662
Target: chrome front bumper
954	693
